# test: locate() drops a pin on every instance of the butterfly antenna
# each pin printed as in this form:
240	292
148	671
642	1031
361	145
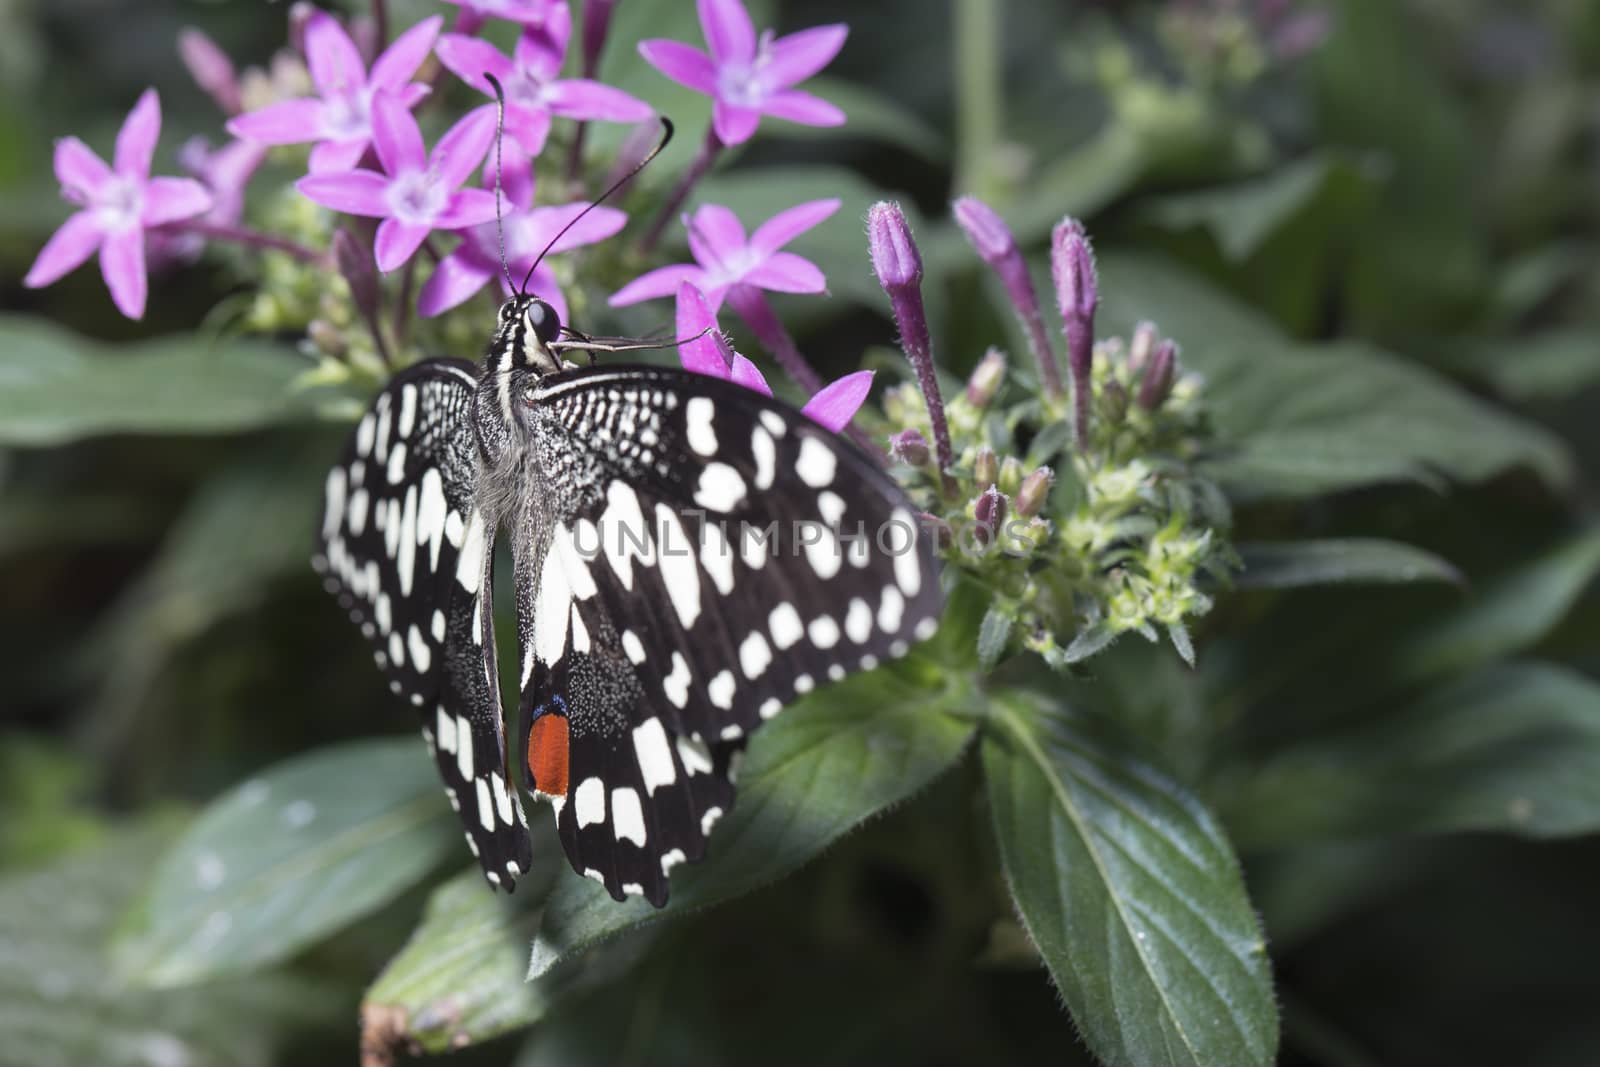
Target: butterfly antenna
666	138
499	138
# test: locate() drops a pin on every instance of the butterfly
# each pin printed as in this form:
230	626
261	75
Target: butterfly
688	556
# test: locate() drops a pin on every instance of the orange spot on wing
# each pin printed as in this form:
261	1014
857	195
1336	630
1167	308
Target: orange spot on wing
547	754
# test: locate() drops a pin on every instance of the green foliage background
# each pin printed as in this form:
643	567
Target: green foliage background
1360	832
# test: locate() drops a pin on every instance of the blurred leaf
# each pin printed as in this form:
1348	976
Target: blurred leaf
288	858
1509	614
1132	894
992	637
56	387
459	980
1291	564
832	760
1544	366
1299	420
60	1006
1514	747
874	116
1242	216
44	809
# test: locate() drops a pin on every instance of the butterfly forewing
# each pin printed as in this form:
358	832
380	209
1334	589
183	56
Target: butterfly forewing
692	556
408	553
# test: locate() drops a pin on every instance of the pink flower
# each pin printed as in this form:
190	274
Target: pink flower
528	12
340	117
724	257
117	204
833	406
224	172
417	193
534	87
527	230
749	76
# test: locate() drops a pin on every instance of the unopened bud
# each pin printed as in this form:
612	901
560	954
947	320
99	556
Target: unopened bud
355	264
986	378
327	338
986	467
988	513
1077	295
210	68
895	258
1143	346
1035	491
909	447
1157	384
1113	402
1010	479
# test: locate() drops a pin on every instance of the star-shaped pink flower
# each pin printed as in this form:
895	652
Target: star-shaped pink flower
418	192
532	79
527	230
117	204
725	257
750	76
340	116
833	406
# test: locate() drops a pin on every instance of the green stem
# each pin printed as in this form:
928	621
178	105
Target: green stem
979	103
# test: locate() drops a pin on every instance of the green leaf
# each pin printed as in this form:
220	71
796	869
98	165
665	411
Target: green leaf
1545	366
829	762
1514	747
61	1005
1297	420
1242	216
289	857
1292	564
57	387
1132	894
992	637
1509	614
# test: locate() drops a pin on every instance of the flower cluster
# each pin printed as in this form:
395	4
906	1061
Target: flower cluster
1084	520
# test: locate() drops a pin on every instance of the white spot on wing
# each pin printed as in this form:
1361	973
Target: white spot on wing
697	418
716	556
485	804
591	801
677	565
463	747
408	409
421	657
907	570
721	690
633	647
785	625
754	655
334	510
446	732
720	488
858	621
676	684
891	610
709	819
655	756
766	456
627	816
469	567
694	755
816	463
824	631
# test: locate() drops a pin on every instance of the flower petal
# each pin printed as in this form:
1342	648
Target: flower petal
469	59
701	348
729	32
286	122
355	192
66	250
544	223
785	226
541	50
334	61
394	68
397	242
517	180
122	266
463	146
785	272
836	403
580	98
749	375
734	124
136	142
395	135
682	63
798	56
337	157
808	110
457	277
529	126
467	207
663	281
171	199
78	167
716	237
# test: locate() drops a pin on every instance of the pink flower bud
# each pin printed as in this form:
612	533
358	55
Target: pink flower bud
910	447
210	68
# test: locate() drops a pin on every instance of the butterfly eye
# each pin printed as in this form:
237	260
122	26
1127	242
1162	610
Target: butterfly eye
543	322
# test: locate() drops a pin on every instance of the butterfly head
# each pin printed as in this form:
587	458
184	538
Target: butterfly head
528	327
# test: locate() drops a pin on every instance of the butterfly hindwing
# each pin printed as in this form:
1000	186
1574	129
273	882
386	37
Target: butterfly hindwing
697	555
409	556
